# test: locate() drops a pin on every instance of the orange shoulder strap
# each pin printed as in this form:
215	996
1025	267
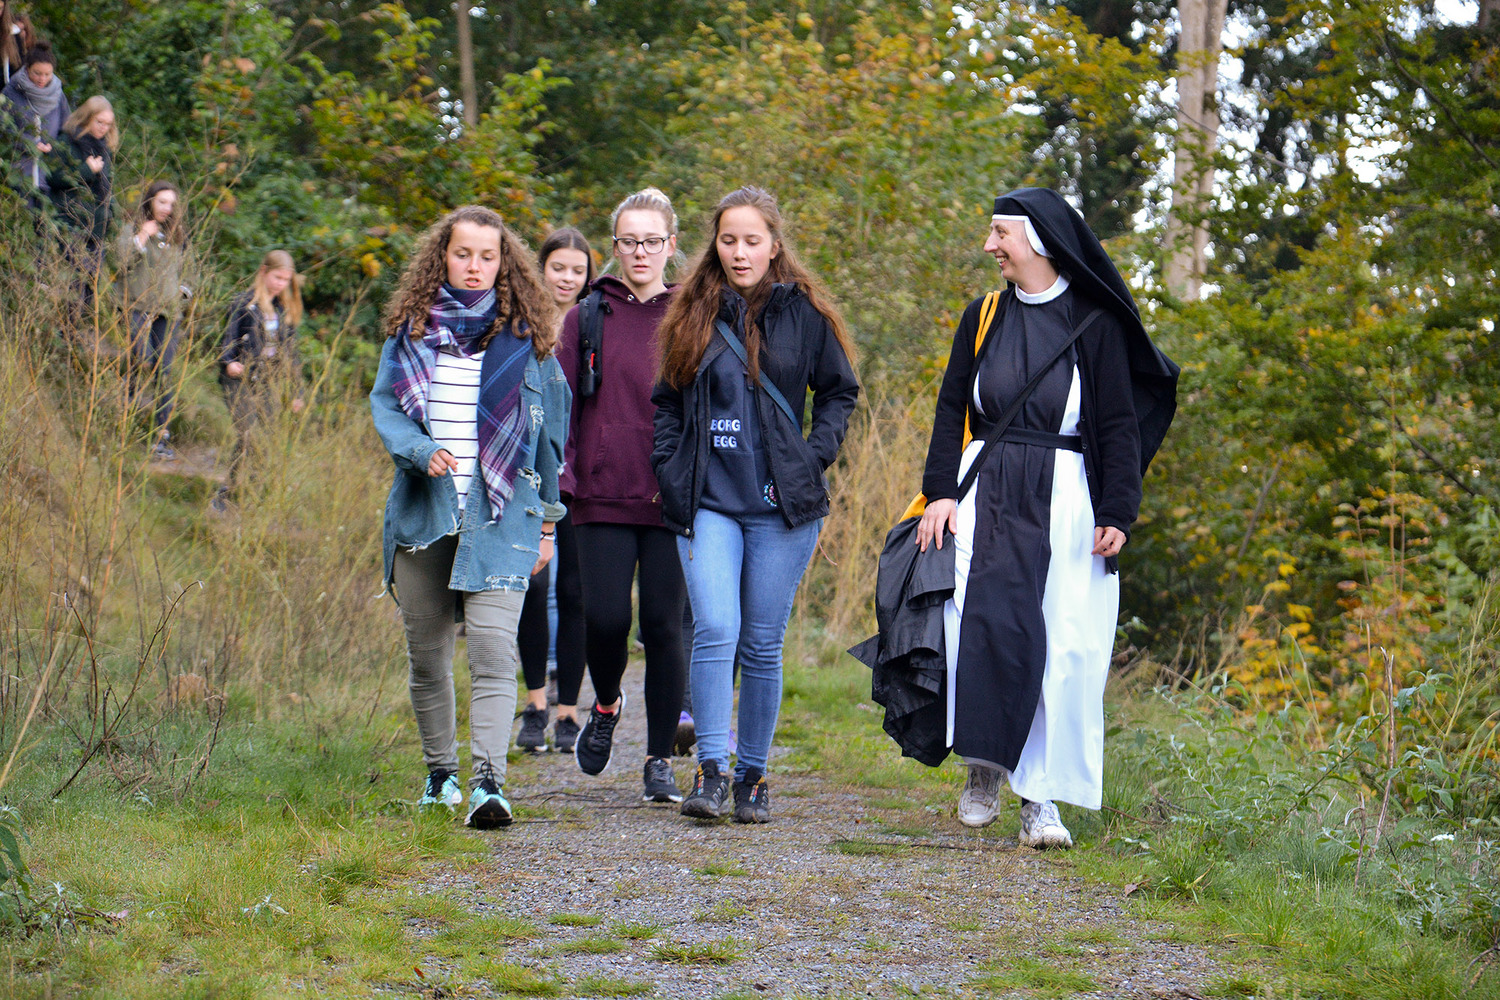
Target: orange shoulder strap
987	312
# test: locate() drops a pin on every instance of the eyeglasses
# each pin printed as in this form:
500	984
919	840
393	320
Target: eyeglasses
651	244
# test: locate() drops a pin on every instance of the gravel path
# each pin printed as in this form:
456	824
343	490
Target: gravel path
832	898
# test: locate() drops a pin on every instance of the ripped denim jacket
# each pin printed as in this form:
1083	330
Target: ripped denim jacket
422	509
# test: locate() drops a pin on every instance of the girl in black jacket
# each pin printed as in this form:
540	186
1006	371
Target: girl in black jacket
82	183
749	333
258	363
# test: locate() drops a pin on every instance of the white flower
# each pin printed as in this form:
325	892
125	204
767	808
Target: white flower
1441	837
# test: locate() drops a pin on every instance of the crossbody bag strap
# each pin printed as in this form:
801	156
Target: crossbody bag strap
739	351
1015	405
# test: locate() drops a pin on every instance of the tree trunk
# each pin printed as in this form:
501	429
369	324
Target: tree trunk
1198	52
467	90
1489	14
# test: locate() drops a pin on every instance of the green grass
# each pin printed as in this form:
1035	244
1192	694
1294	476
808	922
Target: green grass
593	945
575	920
280	865
720	867
721	952
1038	979
636	932
608	986
510	979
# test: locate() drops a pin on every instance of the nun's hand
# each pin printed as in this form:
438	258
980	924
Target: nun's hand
1108	541
939	515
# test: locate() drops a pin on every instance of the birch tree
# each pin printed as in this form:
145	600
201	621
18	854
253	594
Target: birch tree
1198	51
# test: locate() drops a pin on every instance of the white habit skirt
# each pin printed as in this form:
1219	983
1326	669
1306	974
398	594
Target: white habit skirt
1063	758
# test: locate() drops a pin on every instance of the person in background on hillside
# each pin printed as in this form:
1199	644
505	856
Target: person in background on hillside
473	409
82	183
17	37
259	368
751	330
149	263
615	501
1031	626
567	264
38	106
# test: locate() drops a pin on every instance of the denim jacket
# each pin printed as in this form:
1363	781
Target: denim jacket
422	509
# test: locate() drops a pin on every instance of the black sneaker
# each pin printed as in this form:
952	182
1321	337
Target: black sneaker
533	735
752	799
564	734
710	789
488	808
598	738
661	783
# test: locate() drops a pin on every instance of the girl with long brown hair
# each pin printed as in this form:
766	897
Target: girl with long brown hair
149	282
750	332
473	409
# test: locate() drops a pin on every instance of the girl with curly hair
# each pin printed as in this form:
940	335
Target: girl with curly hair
473	409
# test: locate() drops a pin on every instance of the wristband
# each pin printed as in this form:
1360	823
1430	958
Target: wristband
550	534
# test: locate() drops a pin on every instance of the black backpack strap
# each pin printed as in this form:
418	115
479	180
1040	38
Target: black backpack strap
590	341
738	348
1014	408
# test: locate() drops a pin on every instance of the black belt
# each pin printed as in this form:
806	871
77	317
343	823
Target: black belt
1042	439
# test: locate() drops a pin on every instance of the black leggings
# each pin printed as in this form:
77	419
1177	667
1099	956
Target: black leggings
534	633
612	552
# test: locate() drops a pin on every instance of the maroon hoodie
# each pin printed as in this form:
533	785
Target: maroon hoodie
608	477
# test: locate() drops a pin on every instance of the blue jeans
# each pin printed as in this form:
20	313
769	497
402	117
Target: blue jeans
742	575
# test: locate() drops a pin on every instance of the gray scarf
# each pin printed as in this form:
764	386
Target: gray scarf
43	100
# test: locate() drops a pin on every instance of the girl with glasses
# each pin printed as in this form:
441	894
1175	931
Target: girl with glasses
613	493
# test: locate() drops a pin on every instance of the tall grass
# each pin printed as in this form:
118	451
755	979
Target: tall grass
878	471
115	572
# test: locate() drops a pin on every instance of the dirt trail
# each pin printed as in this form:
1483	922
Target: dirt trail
830	899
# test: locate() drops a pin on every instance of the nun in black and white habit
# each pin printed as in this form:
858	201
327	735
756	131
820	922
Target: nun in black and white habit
1030	629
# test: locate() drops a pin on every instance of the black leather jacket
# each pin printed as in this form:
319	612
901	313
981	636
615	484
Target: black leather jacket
798	351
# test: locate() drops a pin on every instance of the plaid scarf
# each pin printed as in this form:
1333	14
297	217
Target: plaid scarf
501	423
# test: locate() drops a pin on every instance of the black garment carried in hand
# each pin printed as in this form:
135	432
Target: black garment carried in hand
907	657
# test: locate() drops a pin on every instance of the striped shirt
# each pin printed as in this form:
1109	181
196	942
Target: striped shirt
452	405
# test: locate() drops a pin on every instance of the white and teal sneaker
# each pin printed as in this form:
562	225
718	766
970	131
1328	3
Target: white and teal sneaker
442	789
488	808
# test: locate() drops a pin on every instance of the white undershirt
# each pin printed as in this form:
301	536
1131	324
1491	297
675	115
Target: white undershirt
452	405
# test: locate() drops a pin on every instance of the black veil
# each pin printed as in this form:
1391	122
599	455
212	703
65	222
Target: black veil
1078	254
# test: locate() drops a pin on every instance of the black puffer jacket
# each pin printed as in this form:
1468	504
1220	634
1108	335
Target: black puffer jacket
798	351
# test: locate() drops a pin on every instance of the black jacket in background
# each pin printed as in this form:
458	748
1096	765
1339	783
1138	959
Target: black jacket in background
83	198
798	351
245	335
